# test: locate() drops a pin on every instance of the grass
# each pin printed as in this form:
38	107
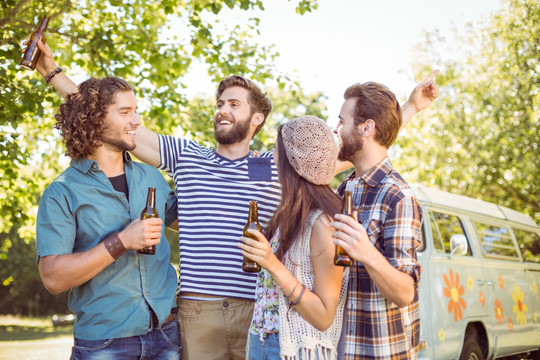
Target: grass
33	338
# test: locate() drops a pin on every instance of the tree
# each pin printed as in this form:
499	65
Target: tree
481	138
151	44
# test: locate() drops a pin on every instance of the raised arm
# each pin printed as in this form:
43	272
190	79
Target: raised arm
46	65
146	141
421	97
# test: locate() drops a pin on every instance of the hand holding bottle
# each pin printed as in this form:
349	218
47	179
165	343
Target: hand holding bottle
248	264
257	248
141	233
45	64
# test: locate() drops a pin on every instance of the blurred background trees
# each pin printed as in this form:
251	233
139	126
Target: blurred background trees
481	138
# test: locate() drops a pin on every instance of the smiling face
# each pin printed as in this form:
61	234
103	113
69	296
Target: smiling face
121	122
232	120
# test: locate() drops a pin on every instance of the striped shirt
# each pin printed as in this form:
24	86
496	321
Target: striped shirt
213	207
387	208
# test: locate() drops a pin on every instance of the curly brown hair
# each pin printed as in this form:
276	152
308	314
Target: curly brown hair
258	100
80	119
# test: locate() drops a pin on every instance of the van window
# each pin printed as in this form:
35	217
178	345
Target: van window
443	226
529	245
496	241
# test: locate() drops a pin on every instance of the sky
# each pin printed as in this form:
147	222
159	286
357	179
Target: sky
348	41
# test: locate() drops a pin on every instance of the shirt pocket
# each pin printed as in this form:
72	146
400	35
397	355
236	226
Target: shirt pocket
260	169
374	230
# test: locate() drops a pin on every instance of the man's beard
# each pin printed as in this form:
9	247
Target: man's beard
114	141
235	135
348	149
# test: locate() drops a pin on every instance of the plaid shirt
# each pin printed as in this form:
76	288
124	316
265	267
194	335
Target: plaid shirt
387	208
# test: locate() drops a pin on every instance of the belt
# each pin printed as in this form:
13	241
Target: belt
154	323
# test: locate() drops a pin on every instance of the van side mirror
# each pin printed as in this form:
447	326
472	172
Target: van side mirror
458	244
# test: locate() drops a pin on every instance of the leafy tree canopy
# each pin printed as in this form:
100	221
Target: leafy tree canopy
481	138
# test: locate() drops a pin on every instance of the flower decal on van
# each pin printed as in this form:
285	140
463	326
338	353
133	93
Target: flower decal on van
499	311
510	324
519	307
470	283
441	335
482	299
501	282
454	291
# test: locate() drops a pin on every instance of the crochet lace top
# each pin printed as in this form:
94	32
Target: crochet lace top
298	339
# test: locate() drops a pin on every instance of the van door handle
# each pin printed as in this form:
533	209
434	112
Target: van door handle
482	282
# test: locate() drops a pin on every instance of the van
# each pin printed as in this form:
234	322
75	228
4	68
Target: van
480	284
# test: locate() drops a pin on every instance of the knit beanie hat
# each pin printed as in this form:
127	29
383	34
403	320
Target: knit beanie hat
311	149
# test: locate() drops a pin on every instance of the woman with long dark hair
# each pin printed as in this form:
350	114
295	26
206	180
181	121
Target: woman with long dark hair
300	292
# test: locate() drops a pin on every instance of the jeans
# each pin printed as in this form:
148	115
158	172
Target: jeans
269	350
160	343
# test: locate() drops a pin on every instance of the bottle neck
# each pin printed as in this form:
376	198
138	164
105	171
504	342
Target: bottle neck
43	24
253	212
151	198
346	207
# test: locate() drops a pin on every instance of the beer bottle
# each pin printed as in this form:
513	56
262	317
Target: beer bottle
32	52
252	223
148	212
342	258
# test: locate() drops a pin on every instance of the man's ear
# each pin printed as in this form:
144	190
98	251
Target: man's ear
367	128
257	119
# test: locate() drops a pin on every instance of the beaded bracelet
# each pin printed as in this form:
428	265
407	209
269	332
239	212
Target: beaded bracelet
53	73
299	297
114	246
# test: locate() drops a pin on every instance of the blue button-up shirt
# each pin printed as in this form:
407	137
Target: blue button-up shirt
80	209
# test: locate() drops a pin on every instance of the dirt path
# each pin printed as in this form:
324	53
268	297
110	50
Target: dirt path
50	349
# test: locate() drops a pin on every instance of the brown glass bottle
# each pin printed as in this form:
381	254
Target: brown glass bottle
342	258
32	53
148	212
252	223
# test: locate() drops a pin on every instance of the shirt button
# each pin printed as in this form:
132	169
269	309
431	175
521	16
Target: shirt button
143	269
105	181
146	294
94	166
121	196
225	304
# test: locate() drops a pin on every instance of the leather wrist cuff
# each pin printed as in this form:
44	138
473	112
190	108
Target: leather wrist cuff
114	246
52	74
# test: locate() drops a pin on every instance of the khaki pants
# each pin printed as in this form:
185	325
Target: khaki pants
214	329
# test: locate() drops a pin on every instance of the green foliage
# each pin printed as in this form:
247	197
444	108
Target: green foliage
481	137
151	44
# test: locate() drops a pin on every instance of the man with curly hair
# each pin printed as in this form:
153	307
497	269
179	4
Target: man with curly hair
88	231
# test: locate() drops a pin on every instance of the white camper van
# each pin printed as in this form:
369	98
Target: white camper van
480	284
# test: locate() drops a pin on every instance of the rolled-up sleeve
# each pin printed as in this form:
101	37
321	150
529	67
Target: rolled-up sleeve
402	231
55	225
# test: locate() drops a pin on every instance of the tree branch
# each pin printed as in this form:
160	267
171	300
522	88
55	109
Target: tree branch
510	189
13	12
